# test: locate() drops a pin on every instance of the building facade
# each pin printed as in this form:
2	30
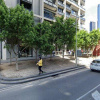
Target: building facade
48	10
92	26
98	17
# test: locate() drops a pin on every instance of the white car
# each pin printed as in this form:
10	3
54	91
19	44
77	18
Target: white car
95	65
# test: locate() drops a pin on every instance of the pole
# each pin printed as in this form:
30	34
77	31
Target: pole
76	41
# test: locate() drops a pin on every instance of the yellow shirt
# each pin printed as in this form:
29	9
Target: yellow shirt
39	62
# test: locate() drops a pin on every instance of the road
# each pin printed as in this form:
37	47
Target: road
78	85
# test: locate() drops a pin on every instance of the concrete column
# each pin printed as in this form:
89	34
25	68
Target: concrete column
79	14
4	51
64	9
42	10
57	7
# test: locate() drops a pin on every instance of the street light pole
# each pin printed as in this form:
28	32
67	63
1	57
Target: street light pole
76	38
76	41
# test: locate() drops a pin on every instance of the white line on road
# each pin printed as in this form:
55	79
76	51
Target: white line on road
88	92
96	95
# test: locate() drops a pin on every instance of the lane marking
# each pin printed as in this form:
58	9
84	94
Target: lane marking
96	95
88	92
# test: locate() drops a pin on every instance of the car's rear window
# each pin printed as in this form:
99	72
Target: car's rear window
95	61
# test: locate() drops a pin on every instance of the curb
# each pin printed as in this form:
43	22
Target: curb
15	79
37	77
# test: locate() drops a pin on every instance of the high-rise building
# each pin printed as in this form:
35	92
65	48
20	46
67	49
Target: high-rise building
98	17
48	9
92	26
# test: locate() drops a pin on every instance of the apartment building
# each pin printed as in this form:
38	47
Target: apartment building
48	10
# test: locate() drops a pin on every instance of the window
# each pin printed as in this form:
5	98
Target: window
60	10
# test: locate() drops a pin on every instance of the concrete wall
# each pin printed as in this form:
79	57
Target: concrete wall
11	3
36	7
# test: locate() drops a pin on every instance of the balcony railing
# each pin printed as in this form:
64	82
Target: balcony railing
61	13
83	18
27	1
67	15
48	17
60	3
74	2
50	3
68	7
83	0
48	14
82	7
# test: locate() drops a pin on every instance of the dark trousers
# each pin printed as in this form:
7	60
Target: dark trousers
40	70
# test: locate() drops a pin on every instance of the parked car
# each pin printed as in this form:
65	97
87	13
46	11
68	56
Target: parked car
95	65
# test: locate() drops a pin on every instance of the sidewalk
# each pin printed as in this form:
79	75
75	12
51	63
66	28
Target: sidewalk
28	68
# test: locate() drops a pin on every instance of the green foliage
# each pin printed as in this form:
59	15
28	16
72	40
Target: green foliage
95	37
44	38
64	31
3	14
83	39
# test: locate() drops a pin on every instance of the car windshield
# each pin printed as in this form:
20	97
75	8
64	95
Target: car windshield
95	61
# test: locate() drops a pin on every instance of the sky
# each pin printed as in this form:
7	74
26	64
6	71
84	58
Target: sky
91	12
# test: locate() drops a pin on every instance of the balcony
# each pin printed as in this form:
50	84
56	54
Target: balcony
82	7
83	0
76	3
50	5
48	14
60	4
26	5
68	8
60	13
28	1
67	15
83	19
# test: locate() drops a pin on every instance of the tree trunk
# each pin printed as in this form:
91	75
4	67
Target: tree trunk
63	54
0	58
17	63
36	54
50	56
10	58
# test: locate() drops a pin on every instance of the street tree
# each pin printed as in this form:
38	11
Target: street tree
95	37
20	22
41	39
64	32
83	40
3	20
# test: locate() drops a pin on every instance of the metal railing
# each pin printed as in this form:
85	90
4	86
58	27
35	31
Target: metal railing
60	3
47	16
82	18
82	7
74	2
27	1
61	13
67	15
50	3
68	7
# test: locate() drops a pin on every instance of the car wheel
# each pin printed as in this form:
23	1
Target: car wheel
92	70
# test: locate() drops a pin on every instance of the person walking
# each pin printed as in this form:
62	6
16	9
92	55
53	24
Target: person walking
40	65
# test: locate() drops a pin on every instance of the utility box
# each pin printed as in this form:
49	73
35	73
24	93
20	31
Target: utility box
79	53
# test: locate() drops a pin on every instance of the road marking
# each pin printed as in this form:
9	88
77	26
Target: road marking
96	95
88	92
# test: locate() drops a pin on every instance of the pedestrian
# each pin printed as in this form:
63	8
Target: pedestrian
40	65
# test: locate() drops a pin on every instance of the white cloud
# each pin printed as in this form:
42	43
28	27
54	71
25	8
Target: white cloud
91	12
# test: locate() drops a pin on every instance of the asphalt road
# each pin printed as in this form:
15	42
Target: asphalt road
80	85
